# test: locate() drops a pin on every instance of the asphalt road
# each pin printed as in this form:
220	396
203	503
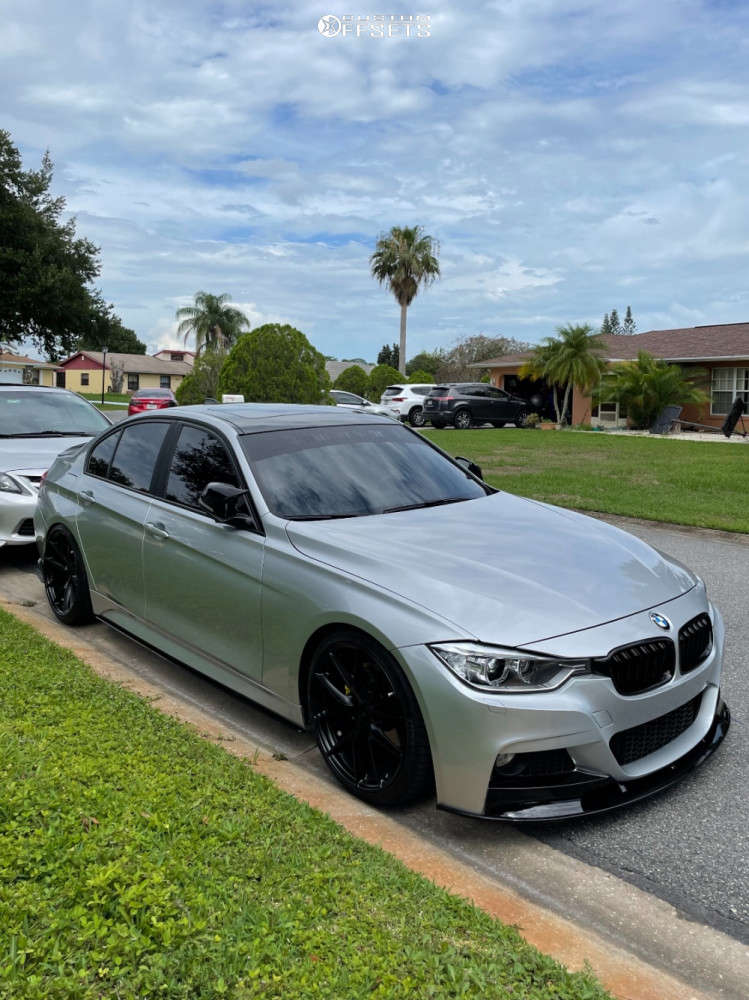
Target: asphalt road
689	845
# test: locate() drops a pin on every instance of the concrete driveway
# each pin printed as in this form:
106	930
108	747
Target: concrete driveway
689	846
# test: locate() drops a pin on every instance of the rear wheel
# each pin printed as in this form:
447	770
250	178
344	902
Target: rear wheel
65	580
416	416
463	420
367	722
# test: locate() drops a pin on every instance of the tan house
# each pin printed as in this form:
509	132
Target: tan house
20	369
85	371
721	351
175	354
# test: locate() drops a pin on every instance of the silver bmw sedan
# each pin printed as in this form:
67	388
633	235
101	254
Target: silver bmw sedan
524	661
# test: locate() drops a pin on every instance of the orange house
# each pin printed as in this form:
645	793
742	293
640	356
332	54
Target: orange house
721	351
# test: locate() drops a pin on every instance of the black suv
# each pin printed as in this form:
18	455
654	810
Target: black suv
467	404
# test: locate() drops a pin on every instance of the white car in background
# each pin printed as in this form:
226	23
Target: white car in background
406	402
350	401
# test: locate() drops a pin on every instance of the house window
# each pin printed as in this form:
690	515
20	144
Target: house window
84	378
165	381
133	381
177	356
727	384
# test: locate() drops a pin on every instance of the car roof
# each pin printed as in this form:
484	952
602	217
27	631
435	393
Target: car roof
252	418
37	388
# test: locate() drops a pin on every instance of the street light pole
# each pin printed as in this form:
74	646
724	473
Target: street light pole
103	374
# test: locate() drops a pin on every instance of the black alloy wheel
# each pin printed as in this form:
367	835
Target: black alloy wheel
65	580
463	419
367	722
416	417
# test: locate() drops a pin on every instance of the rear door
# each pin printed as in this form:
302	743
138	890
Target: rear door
202	578
114	500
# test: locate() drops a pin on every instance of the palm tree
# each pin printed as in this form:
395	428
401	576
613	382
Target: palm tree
214	325
403	259
575	357
647	385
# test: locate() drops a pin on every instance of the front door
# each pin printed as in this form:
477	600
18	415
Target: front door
60	380
202	578
501	407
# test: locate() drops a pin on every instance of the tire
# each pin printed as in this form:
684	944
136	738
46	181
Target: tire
520	422
355	689
65	580
416	416
462	420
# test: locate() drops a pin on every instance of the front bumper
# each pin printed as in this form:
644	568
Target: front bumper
17	518
468	729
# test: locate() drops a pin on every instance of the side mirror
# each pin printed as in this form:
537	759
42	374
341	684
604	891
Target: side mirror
469	466
223	502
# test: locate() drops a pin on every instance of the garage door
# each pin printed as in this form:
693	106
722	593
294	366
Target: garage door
11	375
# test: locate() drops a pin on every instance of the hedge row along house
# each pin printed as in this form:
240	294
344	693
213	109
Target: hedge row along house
721	351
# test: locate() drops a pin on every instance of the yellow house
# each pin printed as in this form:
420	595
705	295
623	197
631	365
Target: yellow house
85	371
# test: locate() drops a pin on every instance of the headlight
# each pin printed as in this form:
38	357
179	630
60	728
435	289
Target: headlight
492	668
8	485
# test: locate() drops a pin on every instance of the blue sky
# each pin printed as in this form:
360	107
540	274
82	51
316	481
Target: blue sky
569	156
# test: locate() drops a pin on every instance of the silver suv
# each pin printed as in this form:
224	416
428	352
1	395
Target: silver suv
406	402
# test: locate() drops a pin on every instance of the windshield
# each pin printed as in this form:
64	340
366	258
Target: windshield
38	412
352	470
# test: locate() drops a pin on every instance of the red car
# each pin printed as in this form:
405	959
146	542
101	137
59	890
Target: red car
150	399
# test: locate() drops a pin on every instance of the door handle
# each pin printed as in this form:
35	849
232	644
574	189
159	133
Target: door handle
156	529
86	496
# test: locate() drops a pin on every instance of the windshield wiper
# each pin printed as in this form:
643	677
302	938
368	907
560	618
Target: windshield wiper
60	434
425	503
322	517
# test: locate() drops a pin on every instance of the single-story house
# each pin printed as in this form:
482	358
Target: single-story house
719	350
84	371
27	371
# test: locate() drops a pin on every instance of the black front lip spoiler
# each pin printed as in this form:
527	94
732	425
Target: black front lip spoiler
608	794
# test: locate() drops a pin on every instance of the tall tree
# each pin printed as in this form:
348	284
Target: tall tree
426	361
575	357
405	259
455	363
615	323
46	271
214	324
629	326
605	325
389	355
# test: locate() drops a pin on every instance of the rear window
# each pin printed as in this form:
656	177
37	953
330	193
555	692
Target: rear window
152	394
420	390
393	390
440	390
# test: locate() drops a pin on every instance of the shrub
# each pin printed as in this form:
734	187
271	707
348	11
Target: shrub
353	379
647	385
421	378
275	364
202	382
380	377
532	421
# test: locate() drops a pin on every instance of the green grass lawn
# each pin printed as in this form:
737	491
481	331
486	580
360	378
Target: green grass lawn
139	861
684	482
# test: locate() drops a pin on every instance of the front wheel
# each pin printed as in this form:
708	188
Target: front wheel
65	580
367	722
463	420
416	416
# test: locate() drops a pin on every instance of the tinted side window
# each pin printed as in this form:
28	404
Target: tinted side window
496	393
199	458
136	454
347	397
420	390
101	456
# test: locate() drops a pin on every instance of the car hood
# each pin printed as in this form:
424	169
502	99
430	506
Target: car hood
34	454
501	568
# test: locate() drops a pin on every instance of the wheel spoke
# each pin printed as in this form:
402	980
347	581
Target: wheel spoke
339	744
383	741
344	673
340	696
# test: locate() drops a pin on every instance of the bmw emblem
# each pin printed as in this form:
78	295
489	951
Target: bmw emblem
660	620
